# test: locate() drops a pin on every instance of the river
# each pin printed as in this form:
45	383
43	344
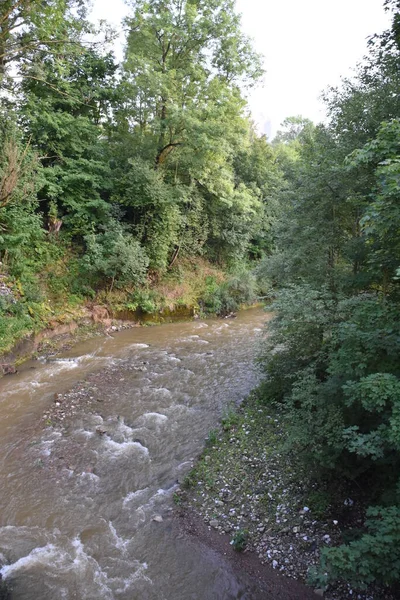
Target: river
93	445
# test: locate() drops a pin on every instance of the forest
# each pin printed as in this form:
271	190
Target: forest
111	175
114	177
332	362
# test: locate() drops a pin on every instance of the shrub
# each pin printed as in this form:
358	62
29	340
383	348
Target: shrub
116	256
239	540
373	557
227	297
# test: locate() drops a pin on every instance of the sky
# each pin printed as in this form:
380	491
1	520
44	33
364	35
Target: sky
307	46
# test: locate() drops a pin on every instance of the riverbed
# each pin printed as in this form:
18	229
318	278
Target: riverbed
93	446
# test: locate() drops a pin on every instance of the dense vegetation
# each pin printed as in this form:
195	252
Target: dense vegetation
333	357
110	175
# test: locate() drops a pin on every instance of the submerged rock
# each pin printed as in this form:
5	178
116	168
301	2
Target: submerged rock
7	369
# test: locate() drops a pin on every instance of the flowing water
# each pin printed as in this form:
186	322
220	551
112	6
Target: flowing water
83	474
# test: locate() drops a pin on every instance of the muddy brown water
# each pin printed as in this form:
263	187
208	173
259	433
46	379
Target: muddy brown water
79	493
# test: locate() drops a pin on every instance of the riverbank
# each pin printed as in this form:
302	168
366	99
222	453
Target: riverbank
189	290
262	501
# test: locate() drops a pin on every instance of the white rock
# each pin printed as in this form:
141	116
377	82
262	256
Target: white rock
157	518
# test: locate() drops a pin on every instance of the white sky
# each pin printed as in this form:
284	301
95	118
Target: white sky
307	44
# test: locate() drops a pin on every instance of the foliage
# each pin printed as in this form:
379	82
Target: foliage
62	112
114	254
227	297
20	227
331	354
229	419
109	180
212	438
375	556
145	300
29	28
239	540
180	130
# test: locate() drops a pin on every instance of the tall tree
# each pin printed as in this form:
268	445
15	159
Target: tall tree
337	328
28	27
184	114
63	113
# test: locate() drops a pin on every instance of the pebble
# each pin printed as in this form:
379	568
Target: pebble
214	523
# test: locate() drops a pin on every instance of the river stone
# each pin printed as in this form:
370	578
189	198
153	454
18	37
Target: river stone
8	369
214	523
157	519
319	593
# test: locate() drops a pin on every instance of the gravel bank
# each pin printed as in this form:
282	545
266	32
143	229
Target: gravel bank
246	487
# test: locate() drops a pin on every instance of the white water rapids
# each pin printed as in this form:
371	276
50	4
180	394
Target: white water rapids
79	493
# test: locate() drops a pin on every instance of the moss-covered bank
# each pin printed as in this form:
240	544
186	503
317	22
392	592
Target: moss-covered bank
45	318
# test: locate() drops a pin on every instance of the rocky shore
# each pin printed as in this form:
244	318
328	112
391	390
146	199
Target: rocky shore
247	488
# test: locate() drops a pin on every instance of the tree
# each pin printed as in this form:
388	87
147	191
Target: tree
20	225
332	355
28	27
293	129
63	113
183	113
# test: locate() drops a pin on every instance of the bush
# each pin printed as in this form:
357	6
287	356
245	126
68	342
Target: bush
373	557
239	540
147	301
116	256
227	297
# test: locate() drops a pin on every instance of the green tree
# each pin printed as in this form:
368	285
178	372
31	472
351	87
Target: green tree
64	113
332	357
28	27
20	224
183	114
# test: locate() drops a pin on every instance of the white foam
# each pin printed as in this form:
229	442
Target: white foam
95	419
162	391
83	433
118	448
154	416
90	476
45	449
159	495
138	574
137	345
132	495
122	427
38	557
120	543
74	559
184	465
83	561
174	359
